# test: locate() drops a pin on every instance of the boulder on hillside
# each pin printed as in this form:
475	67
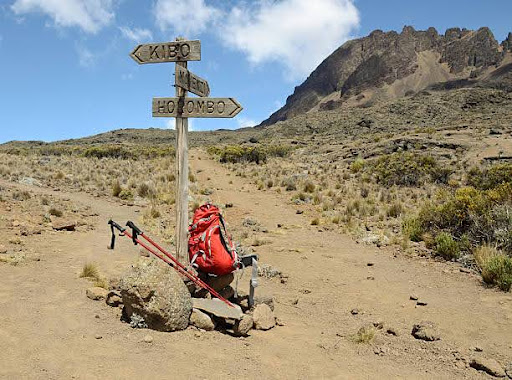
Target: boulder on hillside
154	292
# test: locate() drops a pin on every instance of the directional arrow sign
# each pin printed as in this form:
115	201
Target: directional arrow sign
196	107
191	82
176	51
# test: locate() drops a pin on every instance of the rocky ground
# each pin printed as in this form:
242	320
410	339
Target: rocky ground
347	310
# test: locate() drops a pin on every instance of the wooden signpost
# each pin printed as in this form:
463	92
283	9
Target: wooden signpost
181	107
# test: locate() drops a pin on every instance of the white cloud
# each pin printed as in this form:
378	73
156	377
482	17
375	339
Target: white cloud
85	57
136	34
89	15
185	17
297	33
244	122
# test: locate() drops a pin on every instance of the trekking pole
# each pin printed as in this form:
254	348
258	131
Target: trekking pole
136	232
175	264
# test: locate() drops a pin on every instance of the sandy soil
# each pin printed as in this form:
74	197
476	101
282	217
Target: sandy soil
48	327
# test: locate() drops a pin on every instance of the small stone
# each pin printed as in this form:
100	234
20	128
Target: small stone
413	297
198	334
354	311
97	316
425	331
63	225
243	326
421	303
299	212
96	293
3	250
228	205
279	322
478	349
392	331
370	278
489	366
263	317
464	270
370	264
143	253
114	299
201	320
378	325
148	339
98	336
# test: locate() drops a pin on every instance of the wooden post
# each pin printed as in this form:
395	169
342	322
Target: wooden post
182	177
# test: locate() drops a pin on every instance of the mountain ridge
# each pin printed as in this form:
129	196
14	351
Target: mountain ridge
364	69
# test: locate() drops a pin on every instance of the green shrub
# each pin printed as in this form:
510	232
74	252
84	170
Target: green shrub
498	271
411	227
408	169
357	165
257	154
109	151
446	246
490	178
55	212
126	195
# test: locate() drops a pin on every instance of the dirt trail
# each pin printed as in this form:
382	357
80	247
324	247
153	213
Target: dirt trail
48	326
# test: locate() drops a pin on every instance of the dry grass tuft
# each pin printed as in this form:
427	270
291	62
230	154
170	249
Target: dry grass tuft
365	335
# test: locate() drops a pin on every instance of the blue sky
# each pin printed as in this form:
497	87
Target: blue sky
65	70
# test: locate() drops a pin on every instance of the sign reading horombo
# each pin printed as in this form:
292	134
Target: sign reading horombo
195	107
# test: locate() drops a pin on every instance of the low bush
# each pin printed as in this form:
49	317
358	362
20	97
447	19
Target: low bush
408	169
240	153
447	247
498	271
411	227
495	267
490	178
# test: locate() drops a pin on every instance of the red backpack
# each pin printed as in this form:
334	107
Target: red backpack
209	246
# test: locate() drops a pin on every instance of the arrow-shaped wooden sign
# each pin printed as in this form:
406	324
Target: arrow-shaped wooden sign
176	51
196	107
191	82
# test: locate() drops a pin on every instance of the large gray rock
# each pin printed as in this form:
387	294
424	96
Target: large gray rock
154	292
489	366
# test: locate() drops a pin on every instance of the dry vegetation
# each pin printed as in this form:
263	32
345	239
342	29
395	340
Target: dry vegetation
426	174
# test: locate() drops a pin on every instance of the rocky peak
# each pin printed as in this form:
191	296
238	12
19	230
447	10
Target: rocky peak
381	58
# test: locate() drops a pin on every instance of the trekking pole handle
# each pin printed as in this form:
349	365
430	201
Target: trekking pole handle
136	229
116	226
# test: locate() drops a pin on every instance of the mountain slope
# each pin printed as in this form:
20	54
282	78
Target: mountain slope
389	65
